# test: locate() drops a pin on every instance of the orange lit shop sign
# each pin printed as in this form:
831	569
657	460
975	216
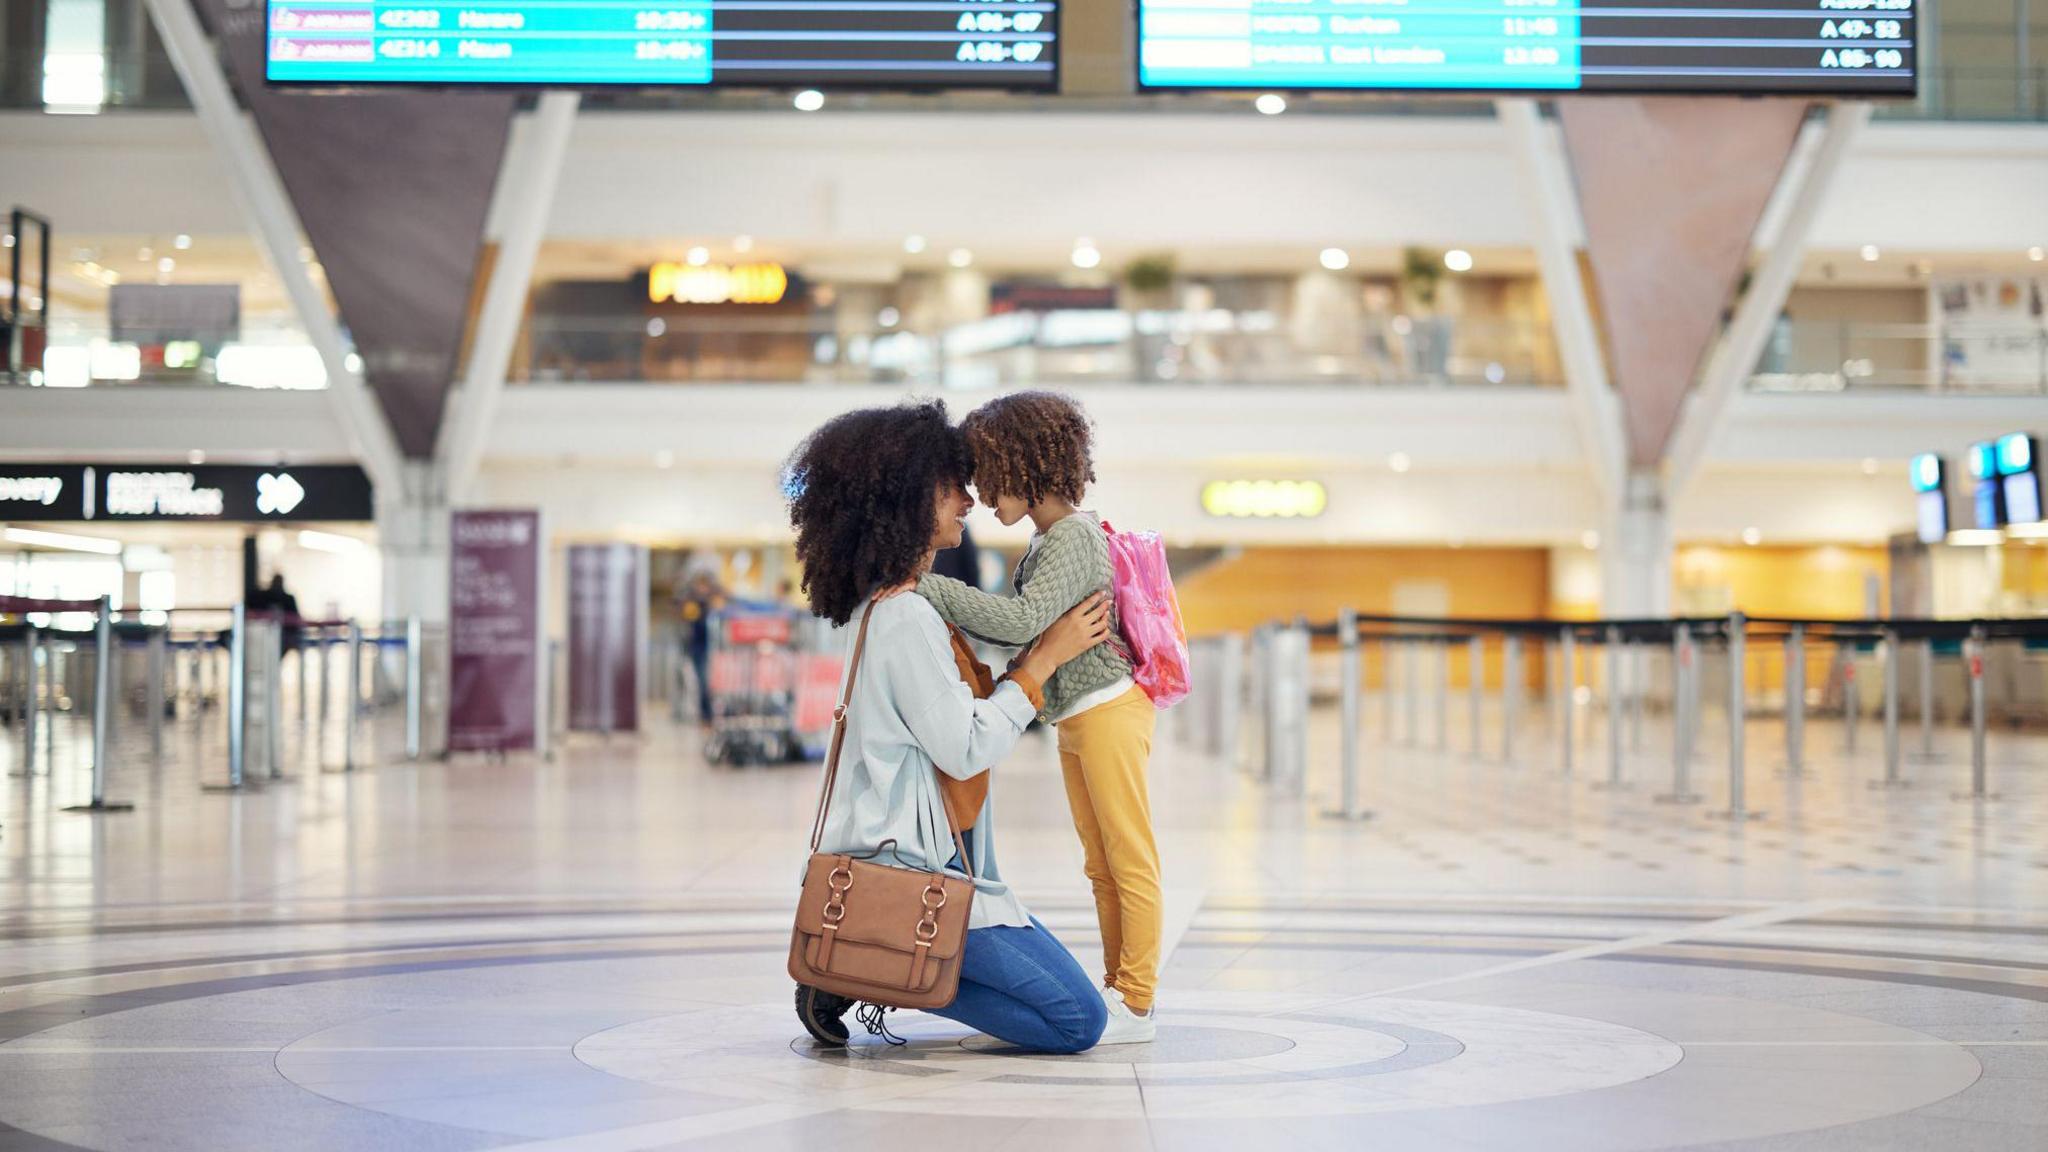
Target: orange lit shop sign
672	283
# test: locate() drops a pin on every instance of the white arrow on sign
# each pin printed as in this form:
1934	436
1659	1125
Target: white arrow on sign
278	495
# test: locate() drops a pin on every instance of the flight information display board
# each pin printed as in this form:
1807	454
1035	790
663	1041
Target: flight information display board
588	43
1822	47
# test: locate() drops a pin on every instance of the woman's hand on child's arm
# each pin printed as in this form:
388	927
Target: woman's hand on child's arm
1082	628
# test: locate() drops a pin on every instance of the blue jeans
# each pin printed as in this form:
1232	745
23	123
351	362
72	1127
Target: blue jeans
1022	986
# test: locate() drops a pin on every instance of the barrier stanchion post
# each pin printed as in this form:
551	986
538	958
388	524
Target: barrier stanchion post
1443	695
1795	702
1926	754
1615	708
1738	721
238	640
1638	681
412	688
1411	698
352	697
1298	655
1852	701
1475	690
1351	684
1568	656
1510	693
103	693
1387	691
1973	663
1263	668
316	640
1230	677
1889	648
1682	673
153	692
273	696
30	699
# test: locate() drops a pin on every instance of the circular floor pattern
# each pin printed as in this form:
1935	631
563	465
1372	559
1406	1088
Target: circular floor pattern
585	1044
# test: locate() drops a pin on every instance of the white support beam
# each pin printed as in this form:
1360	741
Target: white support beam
526	185
1554	208
1733	358
276	223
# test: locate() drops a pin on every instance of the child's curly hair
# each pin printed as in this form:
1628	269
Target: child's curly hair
1031	445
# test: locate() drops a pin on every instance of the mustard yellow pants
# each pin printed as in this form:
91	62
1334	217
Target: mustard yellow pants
1103	755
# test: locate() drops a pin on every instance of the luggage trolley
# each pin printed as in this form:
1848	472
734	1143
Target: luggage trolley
774	681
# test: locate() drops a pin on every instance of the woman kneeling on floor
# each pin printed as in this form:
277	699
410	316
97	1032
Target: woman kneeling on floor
875	494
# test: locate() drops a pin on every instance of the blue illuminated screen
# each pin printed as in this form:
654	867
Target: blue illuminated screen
1926	472
766	43
2015	454
2022	498
1860	47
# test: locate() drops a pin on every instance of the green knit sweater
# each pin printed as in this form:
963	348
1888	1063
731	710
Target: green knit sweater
1068	561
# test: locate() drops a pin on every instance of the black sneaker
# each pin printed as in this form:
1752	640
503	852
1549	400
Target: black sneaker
820	1012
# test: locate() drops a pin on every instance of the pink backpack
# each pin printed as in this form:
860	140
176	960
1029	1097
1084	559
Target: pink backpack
1149	615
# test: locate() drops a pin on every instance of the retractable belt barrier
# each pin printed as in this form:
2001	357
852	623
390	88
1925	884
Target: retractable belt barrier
1280	687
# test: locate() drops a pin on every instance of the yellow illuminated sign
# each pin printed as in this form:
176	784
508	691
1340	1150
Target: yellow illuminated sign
761	283
1264	499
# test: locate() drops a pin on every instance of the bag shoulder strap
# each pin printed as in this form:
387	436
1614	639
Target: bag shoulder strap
860	643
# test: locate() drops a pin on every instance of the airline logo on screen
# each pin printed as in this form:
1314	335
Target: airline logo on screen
1819	46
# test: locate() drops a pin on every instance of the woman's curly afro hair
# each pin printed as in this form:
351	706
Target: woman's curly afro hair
1031	445
862	498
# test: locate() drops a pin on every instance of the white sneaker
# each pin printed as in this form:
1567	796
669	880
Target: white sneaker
1125	1026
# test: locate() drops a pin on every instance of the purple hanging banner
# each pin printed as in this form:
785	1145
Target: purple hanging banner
607	633
494	630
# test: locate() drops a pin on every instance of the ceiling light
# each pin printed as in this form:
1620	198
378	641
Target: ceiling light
195	456
1335	259
166	265
743	244
1400	462
1869	253
1272	104
1752	537
698	257
888	317
1086	255
7	241
62	540
352	362
1458	260
913	244
145	254
329	541
2036	253
182	242
960	258
1870	465
655	327
1589	540
810	100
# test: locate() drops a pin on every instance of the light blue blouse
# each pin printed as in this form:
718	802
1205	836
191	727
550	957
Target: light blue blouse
910	715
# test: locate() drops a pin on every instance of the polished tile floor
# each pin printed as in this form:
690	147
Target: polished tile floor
587	954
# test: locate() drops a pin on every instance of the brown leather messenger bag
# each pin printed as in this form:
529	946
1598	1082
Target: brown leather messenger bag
871	931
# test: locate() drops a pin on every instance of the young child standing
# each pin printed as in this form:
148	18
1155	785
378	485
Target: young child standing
1032	457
